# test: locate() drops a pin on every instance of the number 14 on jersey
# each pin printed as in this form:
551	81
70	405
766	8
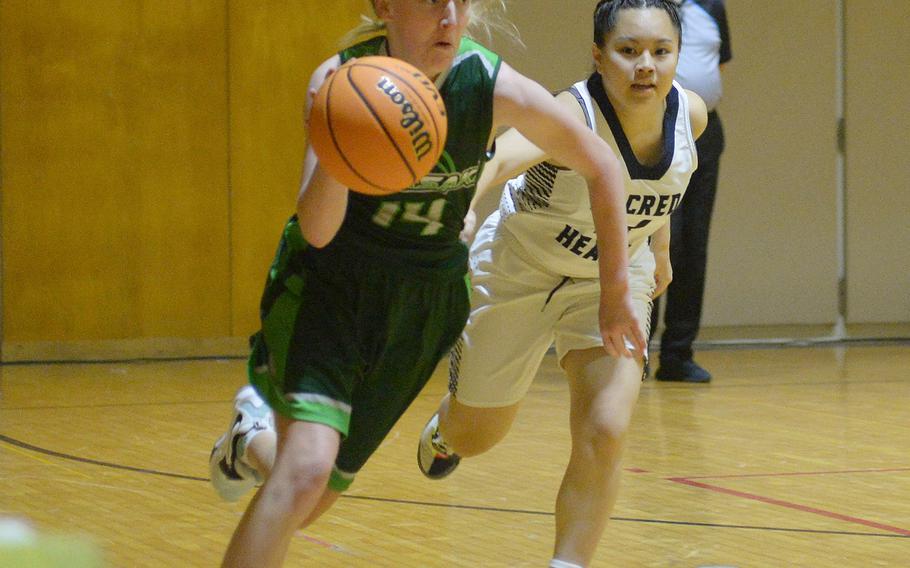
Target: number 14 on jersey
430	214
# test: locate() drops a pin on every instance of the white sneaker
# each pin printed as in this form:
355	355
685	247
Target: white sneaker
231	475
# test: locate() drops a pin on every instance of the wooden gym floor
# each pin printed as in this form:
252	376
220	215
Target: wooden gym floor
792	457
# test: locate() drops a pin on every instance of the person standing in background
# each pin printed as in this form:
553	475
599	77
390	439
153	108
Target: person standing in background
705	50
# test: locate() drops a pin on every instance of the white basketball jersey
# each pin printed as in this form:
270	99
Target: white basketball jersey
547	211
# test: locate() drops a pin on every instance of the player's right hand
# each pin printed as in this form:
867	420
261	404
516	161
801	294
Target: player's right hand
314	88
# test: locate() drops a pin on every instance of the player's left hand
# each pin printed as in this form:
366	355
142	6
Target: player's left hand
619	327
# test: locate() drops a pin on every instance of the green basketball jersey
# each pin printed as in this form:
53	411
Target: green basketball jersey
424	220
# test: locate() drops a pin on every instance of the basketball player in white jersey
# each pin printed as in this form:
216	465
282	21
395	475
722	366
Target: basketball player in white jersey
535	273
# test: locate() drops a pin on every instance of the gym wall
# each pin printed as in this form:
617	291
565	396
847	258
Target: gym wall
150	152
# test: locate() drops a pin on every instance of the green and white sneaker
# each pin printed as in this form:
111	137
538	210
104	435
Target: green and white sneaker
231	475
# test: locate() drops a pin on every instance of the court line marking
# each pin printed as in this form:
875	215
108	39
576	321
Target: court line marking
15	445
31	455
690	481
624	519
53	453
798	473
325	544
80	459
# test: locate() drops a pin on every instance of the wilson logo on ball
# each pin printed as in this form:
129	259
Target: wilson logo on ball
378	125
410	120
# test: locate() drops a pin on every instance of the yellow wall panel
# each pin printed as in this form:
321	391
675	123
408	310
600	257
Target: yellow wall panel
115	201
274	48
772	255
877	168
150	153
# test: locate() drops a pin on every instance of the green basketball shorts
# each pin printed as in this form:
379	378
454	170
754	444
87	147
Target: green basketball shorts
349	340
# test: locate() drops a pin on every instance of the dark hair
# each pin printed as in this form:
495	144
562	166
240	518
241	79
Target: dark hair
606	11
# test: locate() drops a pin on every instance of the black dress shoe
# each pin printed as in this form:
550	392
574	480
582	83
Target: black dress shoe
682	371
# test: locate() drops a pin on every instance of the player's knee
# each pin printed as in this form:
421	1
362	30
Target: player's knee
607	435
306	484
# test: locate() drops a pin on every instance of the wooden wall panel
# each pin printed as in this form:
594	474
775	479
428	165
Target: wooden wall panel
274	48
150	153
114	140
878	171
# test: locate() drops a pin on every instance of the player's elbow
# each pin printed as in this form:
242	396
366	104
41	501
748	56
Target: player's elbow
318	239
315	233
316	242
605	166
597	160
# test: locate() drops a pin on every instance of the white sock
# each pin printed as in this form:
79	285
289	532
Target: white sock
247	439
556	563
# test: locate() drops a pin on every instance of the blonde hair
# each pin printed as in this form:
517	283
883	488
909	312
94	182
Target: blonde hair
487	17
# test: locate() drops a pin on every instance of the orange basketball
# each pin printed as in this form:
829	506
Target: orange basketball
378	125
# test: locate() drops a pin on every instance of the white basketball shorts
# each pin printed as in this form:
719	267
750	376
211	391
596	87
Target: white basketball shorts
518	309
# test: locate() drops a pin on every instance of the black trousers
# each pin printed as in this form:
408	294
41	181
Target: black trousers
689	226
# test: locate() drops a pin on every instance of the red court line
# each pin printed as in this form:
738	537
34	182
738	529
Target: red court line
789	505
834	472
322	543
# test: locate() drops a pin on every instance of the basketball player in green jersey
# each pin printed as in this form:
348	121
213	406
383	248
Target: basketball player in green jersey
366	294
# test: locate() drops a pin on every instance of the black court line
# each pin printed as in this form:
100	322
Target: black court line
70	457
624	519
